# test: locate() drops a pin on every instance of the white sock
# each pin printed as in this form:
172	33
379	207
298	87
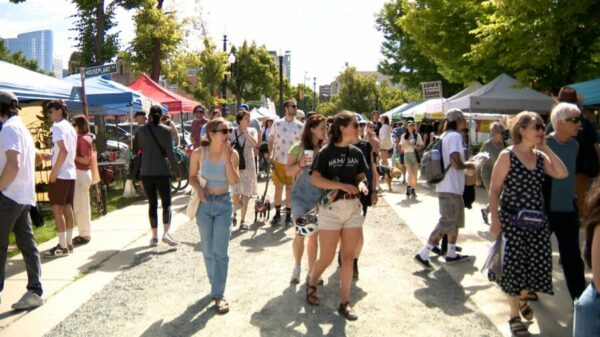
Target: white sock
451	253
62	239
69	236
425	251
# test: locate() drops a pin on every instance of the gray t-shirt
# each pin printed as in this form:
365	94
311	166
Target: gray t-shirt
563	190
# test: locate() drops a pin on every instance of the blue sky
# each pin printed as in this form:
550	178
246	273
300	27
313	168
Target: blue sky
322	34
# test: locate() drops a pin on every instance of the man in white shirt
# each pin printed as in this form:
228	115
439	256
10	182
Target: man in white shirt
450	190
61	188
284	133
17	195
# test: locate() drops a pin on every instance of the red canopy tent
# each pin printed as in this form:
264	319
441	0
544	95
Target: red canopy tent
174	102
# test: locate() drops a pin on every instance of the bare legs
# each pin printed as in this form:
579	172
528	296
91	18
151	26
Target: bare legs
311	250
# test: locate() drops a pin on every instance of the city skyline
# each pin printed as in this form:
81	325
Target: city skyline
322	36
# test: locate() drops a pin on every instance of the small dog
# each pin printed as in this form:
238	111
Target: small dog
262	208
388	173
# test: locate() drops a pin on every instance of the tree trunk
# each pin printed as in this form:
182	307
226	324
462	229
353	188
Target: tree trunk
100	33
156	53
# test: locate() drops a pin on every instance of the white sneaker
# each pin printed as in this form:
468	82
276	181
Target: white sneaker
29	301
169	239
295	275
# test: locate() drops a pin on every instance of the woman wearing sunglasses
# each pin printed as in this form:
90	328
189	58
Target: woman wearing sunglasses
339	166
519	216
213	168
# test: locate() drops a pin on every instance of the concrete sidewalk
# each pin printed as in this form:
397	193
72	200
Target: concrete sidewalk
116	238
552	314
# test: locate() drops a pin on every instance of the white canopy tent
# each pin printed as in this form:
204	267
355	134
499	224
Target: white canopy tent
262	113
389	114
503	94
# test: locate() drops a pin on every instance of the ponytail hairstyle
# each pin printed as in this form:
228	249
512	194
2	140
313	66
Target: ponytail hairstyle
343	118
211	127
155	114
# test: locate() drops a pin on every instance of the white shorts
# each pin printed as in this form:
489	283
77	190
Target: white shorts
341	214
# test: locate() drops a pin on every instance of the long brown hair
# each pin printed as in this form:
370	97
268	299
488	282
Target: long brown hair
592	219
311	123
343	118
81	123
212	126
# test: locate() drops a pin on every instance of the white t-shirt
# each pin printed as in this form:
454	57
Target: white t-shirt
64	131
285	134
408	145
454	181
385	137
15	137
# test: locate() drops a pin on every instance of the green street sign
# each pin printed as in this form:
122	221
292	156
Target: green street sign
100	70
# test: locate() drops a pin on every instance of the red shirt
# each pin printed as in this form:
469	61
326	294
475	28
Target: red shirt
195	130
84	148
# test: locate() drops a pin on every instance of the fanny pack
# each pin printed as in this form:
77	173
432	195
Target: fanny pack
528	219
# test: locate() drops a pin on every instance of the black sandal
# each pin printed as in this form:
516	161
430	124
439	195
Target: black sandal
531	296
525	310
518	328
346	310
311	295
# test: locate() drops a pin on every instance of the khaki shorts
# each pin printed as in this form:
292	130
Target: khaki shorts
452	212
341	214
61	192
279	176
410	158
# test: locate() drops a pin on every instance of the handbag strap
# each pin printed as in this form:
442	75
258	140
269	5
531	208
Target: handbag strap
238	141
164	153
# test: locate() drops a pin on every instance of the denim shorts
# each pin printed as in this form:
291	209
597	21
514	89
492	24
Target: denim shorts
586	321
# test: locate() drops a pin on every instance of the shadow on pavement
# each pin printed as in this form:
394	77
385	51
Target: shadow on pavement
138	254
270	237
441	291
193	319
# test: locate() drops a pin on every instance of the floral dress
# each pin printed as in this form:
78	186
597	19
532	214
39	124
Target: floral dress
247	183
527	262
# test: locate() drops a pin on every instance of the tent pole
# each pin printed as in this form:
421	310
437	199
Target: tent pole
84	105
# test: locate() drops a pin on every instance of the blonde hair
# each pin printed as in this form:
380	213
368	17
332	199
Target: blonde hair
212	126
522	121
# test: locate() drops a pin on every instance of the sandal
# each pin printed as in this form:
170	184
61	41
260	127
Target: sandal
243	226
518	328
80	240
311	295
532	296
525	310
346	310
222	306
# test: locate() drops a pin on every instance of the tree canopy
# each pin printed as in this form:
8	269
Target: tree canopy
254	73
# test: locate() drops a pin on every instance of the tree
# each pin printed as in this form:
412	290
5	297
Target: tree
254	73
357	93
303	93
158	36
391	97
404	62
547	44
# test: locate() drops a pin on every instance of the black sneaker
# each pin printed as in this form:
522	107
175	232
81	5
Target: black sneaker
288	220
413	193
276	220
424	263
458	258
436	250
408	191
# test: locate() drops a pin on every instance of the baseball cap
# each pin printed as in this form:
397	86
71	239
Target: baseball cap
199	109
244	107
8	98
299	114
140	113
454	115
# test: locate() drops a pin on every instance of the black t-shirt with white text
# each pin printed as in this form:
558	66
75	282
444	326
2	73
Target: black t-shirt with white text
331	158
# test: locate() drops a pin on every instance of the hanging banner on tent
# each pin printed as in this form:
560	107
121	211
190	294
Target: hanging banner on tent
431	89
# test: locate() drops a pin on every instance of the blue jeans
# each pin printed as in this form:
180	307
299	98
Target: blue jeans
586	322
214	222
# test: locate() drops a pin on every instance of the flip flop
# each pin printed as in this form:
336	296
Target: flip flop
222	307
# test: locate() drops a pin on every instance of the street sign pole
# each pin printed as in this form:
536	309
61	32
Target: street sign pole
84	106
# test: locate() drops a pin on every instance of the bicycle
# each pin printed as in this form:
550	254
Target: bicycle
183	162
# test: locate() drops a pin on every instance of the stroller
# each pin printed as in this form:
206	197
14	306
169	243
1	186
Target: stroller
262	206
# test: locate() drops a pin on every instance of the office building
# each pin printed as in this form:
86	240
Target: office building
287	63
57	68
38	46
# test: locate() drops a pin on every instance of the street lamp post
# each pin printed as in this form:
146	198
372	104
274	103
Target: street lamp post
304	89
232	70
314	94
281	81
224	95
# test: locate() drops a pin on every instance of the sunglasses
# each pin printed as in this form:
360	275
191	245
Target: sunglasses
223	131
539	127
293	106
574	120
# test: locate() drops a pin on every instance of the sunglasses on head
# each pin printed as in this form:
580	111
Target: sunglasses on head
574	120
223	131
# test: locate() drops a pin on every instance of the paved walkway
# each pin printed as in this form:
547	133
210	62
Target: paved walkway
117	286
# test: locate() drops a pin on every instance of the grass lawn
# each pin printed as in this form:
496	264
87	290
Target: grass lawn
115	201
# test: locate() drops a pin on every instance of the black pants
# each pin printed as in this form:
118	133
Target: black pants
566	228
163	186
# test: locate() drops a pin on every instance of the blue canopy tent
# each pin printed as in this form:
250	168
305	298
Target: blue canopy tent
31	86
109	98
589	90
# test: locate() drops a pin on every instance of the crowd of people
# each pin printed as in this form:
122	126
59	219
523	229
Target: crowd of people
330	169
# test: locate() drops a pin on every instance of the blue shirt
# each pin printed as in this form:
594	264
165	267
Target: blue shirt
563	190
